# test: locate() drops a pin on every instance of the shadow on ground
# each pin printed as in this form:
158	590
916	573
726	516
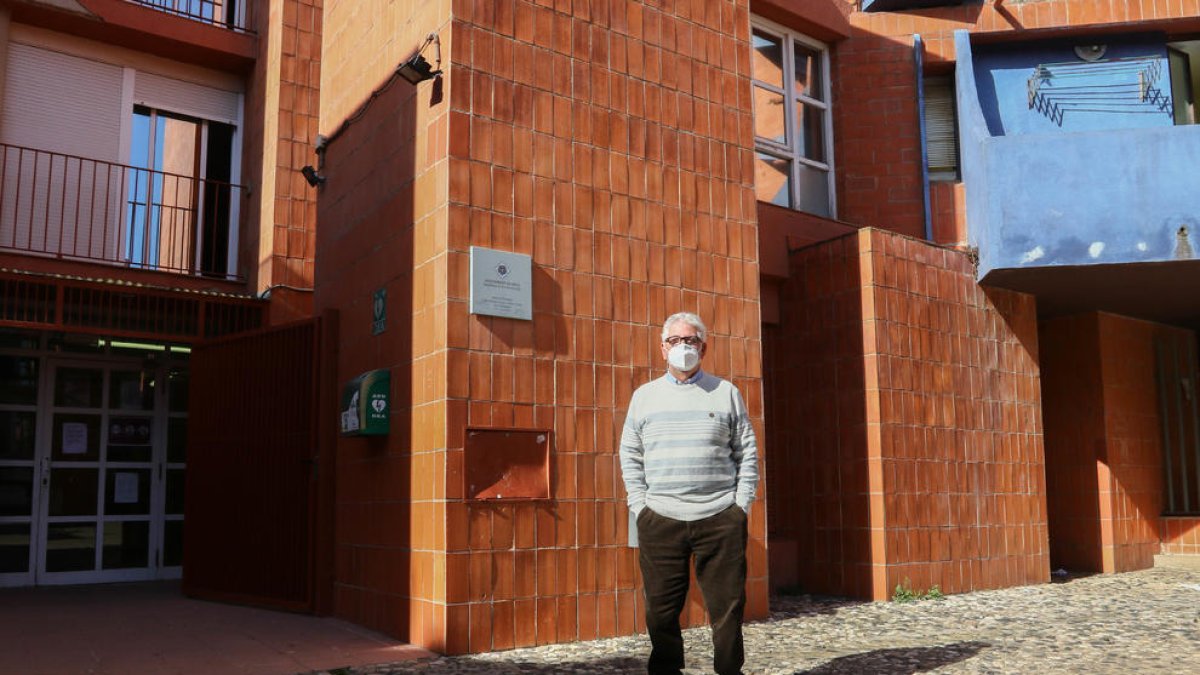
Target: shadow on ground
798	606
905	661
462	665
901	661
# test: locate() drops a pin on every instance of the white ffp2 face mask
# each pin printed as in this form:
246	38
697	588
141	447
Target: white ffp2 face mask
683	357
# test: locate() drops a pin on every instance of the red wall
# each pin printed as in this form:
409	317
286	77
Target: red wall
611	142
1104	443
608	143
1181	536
816	421
1073	409
909	414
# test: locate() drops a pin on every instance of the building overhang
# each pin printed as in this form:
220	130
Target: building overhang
122	308
820	19
152	30
1163	292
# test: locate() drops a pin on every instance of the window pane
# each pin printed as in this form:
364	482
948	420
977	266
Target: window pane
16	491
76	438
768	58
78	387
177	440
18	339
126	544
129	439
73	492
172	543
70	547
130	390
177	390
18	380
808	72
127	492
75	344
175	485
814	190
769	123
14	548
771	181
812	132
17	434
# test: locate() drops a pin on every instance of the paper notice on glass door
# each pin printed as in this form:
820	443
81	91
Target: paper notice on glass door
74	438
125	488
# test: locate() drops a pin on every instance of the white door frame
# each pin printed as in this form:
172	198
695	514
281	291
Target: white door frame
154	468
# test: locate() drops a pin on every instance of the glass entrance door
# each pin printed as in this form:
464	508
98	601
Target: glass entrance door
97	475
91	469
19	383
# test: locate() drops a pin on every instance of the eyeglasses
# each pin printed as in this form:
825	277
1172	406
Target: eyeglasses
693	340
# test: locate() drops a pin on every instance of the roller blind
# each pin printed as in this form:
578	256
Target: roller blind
62	103
941	128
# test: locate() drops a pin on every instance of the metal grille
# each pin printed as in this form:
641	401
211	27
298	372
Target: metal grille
252	441
27	301
122	311
1179	413
231	14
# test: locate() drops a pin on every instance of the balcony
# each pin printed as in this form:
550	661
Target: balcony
1081	189
61	207
219	34
231	14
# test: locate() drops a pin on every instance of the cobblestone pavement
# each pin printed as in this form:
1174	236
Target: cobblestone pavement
1138	622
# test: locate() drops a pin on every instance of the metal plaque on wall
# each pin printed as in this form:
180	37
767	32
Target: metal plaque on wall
501	283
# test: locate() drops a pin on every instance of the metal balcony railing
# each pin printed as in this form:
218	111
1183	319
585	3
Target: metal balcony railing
231	14
74	208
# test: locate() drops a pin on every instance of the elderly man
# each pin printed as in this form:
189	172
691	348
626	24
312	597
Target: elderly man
690	465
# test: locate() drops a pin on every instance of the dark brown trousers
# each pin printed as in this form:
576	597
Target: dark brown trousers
718	546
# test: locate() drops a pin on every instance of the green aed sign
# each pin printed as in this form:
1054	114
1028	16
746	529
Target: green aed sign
365	404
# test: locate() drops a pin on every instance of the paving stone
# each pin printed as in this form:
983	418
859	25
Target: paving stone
1138	622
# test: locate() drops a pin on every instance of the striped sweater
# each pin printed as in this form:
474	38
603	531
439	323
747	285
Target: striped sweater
688	450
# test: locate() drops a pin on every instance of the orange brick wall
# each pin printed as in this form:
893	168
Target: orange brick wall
1181	536
383	219
944	464
605	143
1104	443
283	94
1131	501
611	142
957	423
816	424
1073	410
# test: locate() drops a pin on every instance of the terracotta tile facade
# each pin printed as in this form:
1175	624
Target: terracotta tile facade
383	214
283	99
939	478
610	145
1104	442
1073	412
1181	536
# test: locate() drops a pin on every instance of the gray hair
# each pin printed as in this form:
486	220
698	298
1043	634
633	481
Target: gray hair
690	319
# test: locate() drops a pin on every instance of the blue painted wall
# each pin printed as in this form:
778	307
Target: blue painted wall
1073	197
1002	75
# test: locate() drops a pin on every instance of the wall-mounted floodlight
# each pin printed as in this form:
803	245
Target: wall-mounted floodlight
313	176
417	69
